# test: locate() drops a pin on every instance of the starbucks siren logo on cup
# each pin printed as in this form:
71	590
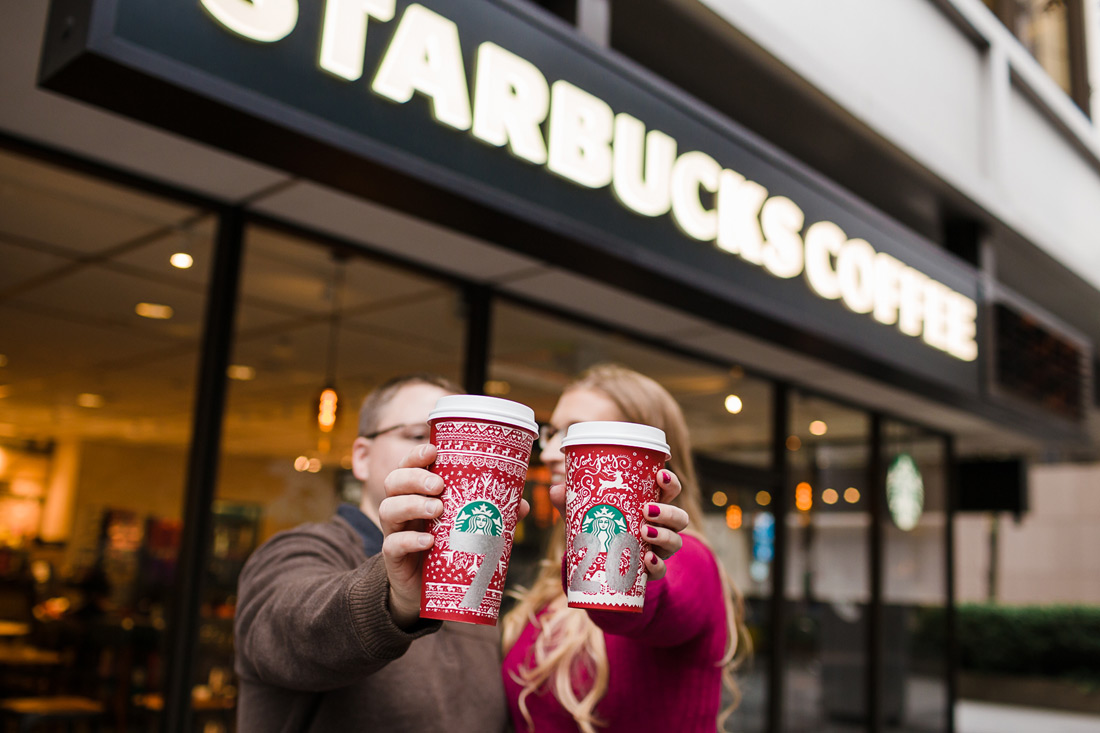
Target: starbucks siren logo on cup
484	448
610	474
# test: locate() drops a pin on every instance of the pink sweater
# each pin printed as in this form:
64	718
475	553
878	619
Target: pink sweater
664	674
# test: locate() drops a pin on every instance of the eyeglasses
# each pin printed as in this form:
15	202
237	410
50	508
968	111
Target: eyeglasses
547	433
412	432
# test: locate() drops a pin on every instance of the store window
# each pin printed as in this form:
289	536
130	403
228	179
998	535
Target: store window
310	318
828	567
914	664
534	356
1052	31
102	289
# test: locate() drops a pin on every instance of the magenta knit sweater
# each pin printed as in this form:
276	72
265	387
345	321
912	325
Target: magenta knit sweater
664	661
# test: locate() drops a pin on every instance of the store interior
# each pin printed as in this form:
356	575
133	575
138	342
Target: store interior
102	296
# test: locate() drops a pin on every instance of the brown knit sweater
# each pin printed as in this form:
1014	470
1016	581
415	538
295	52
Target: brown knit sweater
317	649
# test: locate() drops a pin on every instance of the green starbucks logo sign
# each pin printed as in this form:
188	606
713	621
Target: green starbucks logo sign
604	521
480	517
905	492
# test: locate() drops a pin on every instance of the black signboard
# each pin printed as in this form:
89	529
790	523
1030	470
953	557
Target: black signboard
179	65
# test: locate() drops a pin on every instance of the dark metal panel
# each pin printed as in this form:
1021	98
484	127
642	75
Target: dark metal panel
780	507
950	460
876	474
479	329
202	471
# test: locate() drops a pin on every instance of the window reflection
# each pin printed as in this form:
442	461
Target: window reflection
1042	26
914	579
95	419
828	581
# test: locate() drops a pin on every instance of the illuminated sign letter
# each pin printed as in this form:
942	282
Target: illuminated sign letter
511	99
345	34
887	288
855	269
823	242
781	220
694	171
739	202
581	126
962	327
911	301
425	56
260	20
647	194
935	315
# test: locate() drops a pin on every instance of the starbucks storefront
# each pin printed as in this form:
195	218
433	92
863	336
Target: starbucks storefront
469	189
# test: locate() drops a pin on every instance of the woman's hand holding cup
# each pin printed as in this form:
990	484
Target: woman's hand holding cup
662	524
666	520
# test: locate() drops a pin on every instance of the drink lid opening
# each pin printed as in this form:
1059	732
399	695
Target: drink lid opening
477	407
616	433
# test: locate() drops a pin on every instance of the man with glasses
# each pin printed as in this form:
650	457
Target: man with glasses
328	634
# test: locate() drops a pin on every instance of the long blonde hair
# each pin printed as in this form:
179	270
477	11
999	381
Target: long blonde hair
569	645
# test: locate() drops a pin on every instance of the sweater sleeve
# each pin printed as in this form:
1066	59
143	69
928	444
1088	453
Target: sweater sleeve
305	621
679	607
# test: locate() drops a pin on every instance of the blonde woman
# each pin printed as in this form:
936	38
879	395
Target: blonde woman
572	669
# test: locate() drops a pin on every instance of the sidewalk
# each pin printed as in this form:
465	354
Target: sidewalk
984	717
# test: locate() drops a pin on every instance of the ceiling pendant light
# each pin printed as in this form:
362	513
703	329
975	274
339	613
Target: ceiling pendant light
328	402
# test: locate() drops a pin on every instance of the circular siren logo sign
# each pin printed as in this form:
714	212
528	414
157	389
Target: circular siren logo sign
905	492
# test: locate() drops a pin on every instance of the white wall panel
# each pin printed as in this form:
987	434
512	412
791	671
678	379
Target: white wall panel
1054	192
899	66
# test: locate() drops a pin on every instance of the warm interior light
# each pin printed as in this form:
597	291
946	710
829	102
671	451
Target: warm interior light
719	498
240	372
497	387
326	411
87	399
3	461
803	497
314	465
733	404
5	390
829	496
154	310
181	260
763	498
733	516
3	360
851	495
345	463
301	463
818	427
794	443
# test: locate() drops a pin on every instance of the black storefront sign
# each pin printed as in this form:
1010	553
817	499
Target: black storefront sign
418	130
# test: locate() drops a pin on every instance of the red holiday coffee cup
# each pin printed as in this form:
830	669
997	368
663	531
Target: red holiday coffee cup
610	473
483	452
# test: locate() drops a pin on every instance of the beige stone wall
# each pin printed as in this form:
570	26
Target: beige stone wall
1052	555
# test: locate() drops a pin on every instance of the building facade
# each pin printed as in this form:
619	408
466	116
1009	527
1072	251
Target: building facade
855	240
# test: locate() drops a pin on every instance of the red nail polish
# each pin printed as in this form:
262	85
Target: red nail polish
653	558
651	532
654	510
665	477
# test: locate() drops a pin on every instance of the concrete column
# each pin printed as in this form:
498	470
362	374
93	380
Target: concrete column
57	513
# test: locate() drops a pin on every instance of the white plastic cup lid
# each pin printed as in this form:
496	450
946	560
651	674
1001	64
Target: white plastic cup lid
629	434
493	409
